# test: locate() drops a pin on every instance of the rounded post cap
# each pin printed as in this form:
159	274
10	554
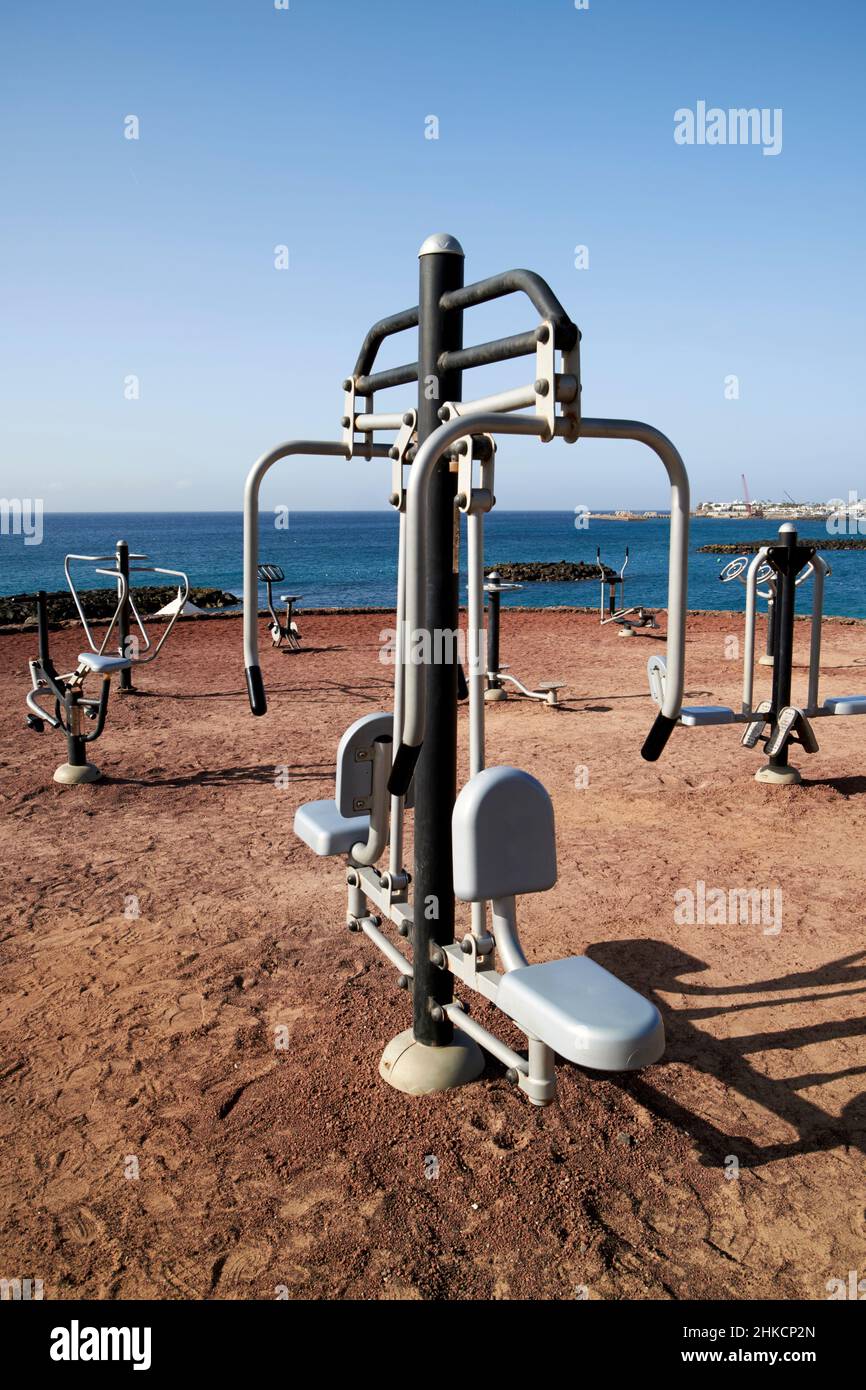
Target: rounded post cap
786	528
441	243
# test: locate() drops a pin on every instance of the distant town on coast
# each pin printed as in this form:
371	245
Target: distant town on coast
843	513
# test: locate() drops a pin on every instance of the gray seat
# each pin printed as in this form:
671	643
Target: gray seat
333	827
320	825
694	715
846	704
503	837
103	665
584	1013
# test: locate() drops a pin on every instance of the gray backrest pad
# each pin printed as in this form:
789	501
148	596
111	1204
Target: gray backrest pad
503	836
355	762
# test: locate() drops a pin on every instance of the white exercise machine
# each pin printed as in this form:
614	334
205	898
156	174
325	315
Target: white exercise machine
497	673
611	605
775	723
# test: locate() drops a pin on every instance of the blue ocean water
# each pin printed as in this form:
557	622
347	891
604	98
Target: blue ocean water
347	559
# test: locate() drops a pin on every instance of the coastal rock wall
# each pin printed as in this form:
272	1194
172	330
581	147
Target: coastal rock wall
547	571
751	547
101	603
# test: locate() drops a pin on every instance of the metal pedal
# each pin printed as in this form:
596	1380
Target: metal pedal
755	729
792	727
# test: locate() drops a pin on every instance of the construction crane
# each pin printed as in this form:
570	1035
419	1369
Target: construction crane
746	496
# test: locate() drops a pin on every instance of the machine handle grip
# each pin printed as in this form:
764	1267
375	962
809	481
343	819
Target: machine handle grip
402	769
656	739
256	690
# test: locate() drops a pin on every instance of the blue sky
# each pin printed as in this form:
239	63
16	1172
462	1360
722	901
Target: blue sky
306	127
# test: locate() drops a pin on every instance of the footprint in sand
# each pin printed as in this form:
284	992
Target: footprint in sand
188	1015
243	1265
78	1091
82	1227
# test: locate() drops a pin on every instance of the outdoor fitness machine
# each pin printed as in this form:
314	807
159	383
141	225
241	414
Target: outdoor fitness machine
71	706
496	839
287	631
766	576
775	723
136	648
610	607
548	691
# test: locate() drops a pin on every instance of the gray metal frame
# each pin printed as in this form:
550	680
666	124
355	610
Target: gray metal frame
125	596
465	437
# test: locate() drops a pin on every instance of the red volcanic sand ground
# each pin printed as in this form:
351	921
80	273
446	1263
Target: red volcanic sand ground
148	1042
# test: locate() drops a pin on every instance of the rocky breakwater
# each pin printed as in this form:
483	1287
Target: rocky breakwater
750	547
547	571
19	610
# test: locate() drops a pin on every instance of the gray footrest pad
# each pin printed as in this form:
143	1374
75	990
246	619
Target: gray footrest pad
846	704
693	715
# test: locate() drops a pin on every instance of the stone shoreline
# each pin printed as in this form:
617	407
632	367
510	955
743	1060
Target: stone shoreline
547	571
751	547
20	609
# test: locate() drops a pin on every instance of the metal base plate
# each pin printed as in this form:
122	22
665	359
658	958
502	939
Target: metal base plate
778	776
419	1070
70	775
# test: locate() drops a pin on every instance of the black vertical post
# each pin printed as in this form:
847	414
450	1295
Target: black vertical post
494	601
122	563
42	627
441	270
76	745
785	561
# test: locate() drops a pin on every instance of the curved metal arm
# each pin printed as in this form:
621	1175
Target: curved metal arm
423	466
35	708
417	493
749	645
527	282
678	562
102	711
821	570
394	323
156	569
326	447
122	591
505	934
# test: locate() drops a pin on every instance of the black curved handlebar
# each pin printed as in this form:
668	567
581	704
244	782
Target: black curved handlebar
656	740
